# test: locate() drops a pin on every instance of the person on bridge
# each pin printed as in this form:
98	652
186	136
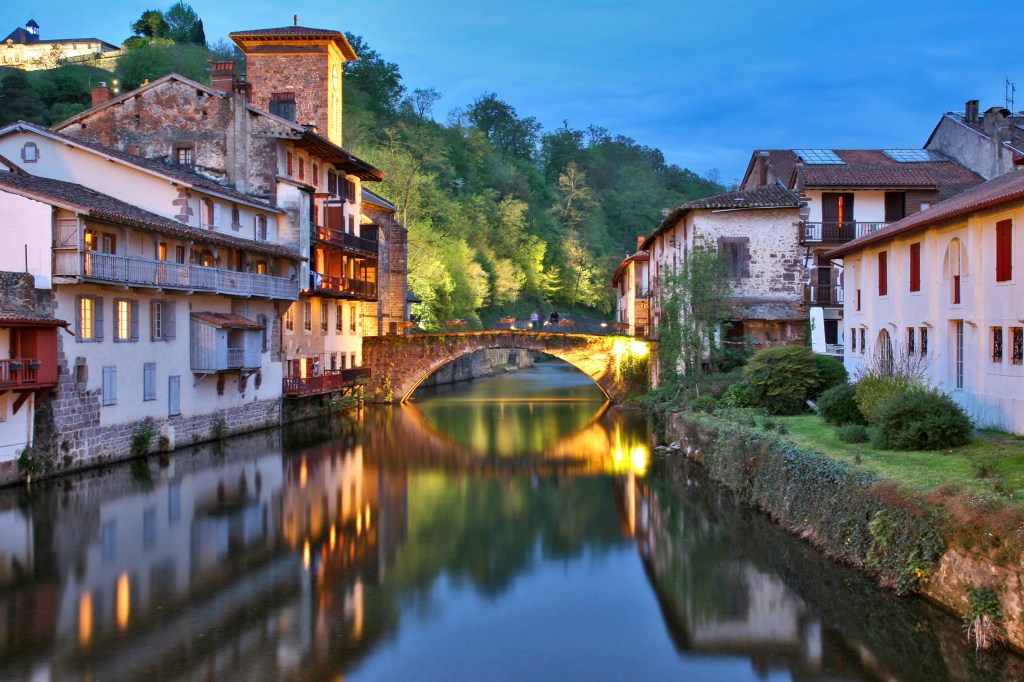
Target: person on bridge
534	319
554	318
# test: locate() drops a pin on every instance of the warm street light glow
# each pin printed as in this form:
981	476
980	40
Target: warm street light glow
638	348
85	618
124	601
305	555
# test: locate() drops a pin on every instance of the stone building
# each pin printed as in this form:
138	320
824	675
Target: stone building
844	194
990	143
939	291
755	231
631	282
276	135
388	314
24	48
173	308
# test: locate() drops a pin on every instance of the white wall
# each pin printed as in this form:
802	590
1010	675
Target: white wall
27	226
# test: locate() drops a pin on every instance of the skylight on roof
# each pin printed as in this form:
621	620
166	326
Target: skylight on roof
913	155
819	156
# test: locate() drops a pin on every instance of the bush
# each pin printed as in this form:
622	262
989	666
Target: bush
921	419
705	403
782	378
838	405
852	433
739	394
875	390
831	372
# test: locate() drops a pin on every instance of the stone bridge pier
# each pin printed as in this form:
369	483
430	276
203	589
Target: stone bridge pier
399	363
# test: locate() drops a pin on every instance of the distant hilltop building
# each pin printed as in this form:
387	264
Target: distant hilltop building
23	48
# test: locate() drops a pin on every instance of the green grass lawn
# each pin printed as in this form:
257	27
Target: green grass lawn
925	470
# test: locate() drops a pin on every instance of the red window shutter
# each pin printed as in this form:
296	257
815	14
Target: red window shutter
289	163
915	266
883	267
1004	251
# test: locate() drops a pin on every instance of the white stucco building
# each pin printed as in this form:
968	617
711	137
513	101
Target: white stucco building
945	285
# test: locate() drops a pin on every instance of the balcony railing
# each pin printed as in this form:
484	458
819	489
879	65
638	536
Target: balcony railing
107	267
240	358
330	380
20	372
837	232
824	294
344	239
343	286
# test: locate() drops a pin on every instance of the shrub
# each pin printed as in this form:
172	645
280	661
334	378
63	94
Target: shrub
705	403
782	378
983	621
831	372
852	433
838	405
875	390
143	437
739	394
921	419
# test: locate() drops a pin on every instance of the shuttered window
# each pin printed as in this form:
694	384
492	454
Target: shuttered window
149	381
126	320
110	385
883	273
915	266
173	396
89	319
1004	251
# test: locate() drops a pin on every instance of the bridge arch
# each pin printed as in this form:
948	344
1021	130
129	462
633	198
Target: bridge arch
398	364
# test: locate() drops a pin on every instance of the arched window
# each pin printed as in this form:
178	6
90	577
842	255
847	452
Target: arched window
885	361
954	268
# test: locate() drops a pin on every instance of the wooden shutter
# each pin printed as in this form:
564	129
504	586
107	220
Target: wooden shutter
135	319
174	395
169	319
1004	251
883	274
97	318
289	163
78	317
216	215
915	266
895	206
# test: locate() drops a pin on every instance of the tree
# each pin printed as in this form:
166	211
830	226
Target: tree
510	135
373	81
184	26
18	99
151	25
159	57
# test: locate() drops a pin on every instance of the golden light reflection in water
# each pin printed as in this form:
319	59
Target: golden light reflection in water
334	536
305	555
124	601
85	618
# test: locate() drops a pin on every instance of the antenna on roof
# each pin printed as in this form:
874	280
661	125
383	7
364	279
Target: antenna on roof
295	18
1010	89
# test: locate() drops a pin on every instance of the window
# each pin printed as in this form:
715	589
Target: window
289	319
958	356
262	320
210	214
307	316
895	206
173	398
997	344
1004	251
953	269
324	315
915	266
162	320
885	356
260	224
89	319
343	358
126	319
350	190
853	341
236	218
883	273
302	169
332	183
339	324
924	341
30	152
183	155
149	381
352	360
1017	339
858	299
352	319
290	162
911	338
110	385
736	253
316	175
863	341
351	223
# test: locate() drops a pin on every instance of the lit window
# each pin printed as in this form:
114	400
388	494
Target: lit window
89	319
307	316
289	319
324	314
126	322
339	324
352	319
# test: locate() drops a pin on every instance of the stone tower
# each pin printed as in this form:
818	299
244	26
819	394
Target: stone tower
296	73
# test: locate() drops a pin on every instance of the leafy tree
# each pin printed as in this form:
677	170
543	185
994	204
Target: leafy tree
373	83
159	57
184	26
18	99
510	135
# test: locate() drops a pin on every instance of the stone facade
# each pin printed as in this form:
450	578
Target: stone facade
484	363
386	315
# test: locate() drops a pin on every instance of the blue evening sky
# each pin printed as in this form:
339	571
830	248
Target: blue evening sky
705	81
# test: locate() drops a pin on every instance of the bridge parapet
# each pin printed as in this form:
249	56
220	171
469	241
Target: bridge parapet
399	363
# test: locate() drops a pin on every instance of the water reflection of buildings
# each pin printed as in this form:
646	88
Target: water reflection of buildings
232	566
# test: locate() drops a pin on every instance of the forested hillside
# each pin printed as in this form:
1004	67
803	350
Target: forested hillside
503	216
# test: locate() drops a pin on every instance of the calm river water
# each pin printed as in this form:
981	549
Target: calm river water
507	529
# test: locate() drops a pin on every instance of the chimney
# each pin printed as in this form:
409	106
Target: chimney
762	168
283	104
222	76
971	111
245	87
640	242
101	93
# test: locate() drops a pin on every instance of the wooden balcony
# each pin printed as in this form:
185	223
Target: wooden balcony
823	295
330	380
836	233
343	287
27	373
347	241
142	272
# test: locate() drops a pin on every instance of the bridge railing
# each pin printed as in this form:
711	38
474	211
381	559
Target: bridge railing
568	323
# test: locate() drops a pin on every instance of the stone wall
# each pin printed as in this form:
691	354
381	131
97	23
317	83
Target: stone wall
483	363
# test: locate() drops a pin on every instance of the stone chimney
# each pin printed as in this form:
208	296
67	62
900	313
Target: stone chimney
971	111
101	93
994	120
222	76
640	242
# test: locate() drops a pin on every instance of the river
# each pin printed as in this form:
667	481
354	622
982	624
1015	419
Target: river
504	529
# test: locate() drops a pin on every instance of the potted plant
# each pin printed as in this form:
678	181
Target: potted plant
16	365
34	364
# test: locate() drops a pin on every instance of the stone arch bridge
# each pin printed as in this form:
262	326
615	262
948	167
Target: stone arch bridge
398	364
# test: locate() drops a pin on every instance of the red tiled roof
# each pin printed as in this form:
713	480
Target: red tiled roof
226	320
12	314
107	207
867	176
771	196
1001	190
295	32
639	256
